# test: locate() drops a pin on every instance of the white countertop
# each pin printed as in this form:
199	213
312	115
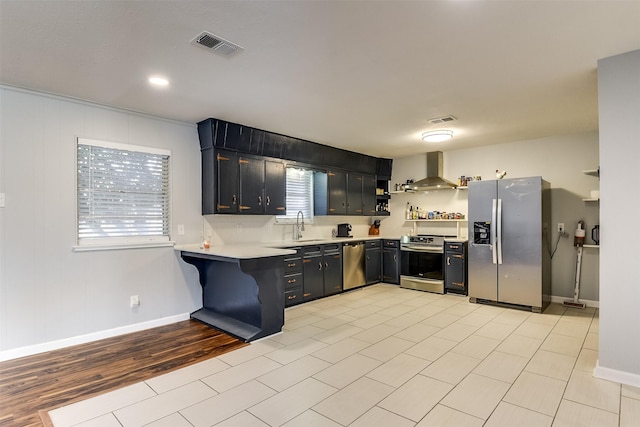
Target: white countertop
245	251
267	249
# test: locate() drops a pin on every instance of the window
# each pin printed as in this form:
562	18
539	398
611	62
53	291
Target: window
122	194
299	194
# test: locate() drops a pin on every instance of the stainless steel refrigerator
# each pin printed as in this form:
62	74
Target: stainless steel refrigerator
509	226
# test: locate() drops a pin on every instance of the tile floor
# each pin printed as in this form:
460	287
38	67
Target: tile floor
385	356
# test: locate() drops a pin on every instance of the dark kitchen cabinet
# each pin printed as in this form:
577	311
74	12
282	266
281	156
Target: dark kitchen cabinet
312	274
369	199
354	194
262	186
275	188
332	263
226	186
251	184
373	262
293	278
219	138
337	190
243	184
455	269
391	261
321	270
342	193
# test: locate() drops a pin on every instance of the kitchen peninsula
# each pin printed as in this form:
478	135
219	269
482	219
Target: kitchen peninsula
242	288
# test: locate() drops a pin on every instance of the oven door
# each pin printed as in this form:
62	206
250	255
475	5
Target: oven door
422	269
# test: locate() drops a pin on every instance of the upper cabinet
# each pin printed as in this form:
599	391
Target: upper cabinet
342	193
244	172
242	184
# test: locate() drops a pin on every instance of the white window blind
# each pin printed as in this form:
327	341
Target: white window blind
299	193
123	194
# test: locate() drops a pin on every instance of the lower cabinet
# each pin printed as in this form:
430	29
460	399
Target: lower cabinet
332	268
455	269
373	262
391	261
293	278
322	270
315	271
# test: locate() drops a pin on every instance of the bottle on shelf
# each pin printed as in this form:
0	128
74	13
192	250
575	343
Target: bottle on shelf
406	211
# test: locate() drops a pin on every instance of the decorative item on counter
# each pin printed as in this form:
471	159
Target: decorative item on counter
477	178
500	175
206	244
374	230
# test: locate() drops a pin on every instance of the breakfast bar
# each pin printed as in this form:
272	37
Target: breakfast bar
242	288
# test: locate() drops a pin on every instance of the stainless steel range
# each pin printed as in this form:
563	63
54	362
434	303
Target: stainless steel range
422	263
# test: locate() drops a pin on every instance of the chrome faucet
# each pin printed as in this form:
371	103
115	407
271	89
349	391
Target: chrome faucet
297	235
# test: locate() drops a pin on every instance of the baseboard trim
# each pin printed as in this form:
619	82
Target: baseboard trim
614	375
589	303
83	339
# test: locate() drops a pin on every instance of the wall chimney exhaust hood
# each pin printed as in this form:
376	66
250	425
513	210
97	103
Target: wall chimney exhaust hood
434	179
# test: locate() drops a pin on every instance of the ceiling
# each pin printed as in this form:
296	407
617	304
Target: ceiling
360	75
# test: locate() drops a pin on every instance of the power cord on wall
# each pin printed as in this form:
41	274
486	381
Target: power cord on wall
561	234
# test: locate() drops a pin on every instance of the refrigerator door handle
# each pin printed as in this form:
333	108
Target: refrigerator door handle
499	232
492	234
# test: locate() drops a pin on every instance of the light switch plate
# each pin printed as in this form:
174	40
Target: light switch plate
181	229
2	200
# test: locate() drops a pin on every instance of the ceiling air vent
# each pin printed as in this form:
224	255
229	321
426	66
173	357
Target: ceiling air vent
216	43
441	120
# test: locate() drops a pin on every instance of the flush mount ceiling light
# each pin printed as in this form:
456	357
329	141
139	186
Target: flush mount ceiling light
437	135
158	81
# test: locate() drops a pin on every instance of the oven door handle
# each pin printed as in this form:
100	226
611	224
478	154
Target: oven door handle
422	249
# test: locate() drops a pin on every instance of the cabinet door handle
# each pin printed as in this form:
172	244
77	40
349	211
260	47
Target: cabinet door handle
395	257
319	266
448	260
268	200
259	200
234	199
291	281
326	265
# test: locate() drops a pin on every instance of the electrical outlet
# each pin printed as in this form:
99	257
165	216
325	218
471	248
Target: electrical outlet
134	301
561	227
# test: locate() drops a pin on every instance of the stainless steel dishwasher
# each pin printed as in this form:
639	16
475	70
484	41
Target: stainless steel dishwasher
353	265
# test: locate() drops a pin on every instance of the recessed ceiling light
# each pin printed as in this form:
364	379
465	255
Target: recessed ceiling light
158	81
437	135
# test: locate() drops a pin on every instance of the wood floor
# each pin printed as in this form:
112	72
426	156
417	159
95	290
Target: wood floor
39	383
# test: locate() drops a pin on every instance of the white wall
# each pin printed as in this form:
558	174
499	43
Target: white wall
47	291
619	110
559	160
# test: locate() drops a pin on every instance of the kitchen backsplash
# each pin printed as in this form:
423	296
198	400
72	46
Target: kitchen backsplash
233	229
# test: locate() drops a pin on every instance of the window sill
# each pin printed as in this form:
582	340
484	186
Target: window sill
107	247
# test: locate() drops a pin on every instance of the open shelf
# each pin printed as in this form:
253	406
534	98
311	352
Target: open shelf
457	222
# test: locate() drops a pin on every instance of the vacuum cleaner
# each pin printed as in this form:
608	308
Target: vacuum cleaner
578	241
